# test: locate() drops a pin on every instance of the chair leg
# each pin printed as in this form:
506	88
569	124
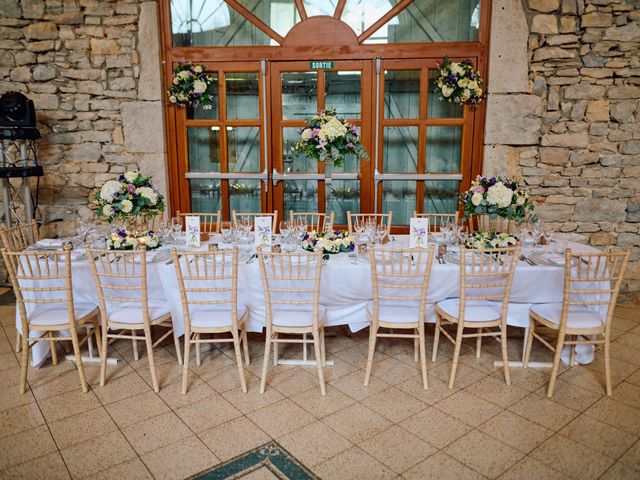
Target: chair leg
185	361
607	366
527	349
176	341
572	351
25	363
556	364
18	342
323	350
478	344
103	356
505	354
436	339
416	347
373	331
136	355
76	351
152	363
275	348
54	350
423	356
456	354
524	342
265	361
198	357
318	352
247	358
96	334
236	347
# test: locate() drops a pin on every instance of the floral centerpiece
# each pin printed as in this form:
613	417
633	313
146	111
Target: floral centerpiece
126	240
328	242
191	86
460	83
478	240
497	197
328	138
132	194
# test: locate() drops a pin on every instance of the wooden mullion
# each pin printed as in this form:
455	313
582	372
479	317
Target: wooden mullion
384	19
224	162
246	13
422	138
321	105
301	10
339	8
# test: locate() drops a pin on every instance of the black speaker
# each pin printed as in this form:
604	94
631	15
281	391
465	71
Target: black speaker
16	110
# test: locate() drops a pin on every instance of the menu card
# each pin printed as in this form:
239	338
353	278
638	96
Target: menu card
418	232
262	229
193	231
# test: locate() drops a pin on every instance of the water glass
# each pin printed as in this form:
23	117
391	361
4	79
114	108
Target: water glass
176	227
225	231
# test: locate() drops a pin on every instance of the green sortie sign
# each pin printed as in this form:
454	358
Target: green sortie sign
320	65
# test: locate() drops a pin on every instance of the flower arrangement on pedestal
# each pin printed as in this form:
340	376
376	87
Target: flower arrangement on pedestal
328	138
328	242
191	86
497	198
478	240
125	240
460	83
132	194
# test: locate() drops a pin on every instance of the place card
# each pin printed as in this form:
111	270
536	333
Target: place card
193	231
418	232
262	229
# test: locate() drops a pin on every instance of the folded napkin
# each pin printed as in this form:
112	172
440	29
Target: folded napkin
50	242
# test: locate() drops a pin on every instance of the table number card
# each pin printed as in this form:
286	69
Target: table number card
262	228
193	231
418	232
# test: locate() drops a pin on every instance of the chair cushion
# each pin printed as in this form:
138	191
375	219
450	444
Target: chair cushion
296	318
578	317
474	310
131	312
396	313
57	313
207	316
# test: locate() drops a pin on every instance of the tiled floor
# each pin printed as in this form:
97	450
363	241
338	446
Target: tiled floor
392	429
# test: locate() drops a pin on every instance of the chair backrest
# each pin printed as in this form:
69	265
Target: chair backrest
241	217
120	277
315	221
16	239
483	223
40	278
400	277
487	274
379	218
593	280
437	220
208	278
209	222
291	281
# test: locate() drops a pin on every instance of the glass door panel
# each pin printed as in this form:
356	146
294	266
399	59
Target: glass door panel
439	108
243	149
444	146
200	113
241	89
401	93
441	196
342	91
299	95
401	149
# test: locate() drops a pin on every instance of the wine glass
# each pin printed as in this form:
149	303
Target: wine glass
225	231
82	229
381	231
537	230
463	233
176	227
284	230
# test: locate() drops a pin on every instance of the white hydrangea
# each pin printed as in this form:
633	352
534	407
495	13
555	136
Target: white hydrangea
477	198
109	190
107	210
457	69
499	195
332	129
447	91
131	176
306	134
199	86
149	194
126	206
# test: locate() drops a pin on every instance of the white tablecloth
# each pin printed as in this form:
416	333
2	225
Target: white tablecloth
345	290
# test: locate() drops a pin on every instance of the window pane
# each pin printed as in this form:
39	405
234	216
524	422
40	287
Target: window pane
320	7
204	149
342	196
293	162
242	95
441	196
244	196
299	95
437	108
243	149
399	197
432	21
401	94
361	14
212	113
300	196
205	196
401	149
342	91
280	15
202	23
443	149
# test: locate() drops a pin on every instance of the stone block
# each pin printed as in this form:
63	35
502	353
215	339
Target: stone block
623	112
499	160
21	74
554	155
43	46
544	6
576	140
552	53
32	8
41	31
567	24
545	24
149	86
623	91
84	152
590	209
600	239
155	165
103	46
10	8
596	19
68	18
554	212
626	33
513	119
584	91
630	148
43	73
140	121
598	111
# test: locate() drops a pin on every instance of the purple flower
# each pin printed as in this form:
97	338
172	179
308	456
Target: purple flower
122	233
314	132
131	188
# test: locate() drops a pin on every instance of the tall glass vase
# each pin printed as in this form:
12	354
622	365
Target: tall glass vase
328	171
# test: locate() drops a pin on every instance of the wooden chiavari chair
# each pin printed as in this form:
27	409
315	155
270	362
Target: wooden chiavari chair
485	284
291	283
44	296
241	217
400	279
437	220
16	239
315	221
123	298
378	218
208	284
591	286
209	222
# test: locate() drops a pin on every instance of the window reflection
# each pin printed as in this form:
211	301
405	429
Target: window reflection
299	95
320	7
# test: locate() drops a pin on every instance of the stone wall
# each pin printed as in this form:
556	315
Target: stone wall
563	115
92	69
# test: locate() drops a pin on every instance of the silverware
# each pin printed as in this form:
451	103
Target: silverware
528	260
252	258
325	259
353	257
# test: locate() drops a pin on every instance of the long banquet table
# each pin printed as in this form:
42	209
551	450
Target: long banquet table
345	290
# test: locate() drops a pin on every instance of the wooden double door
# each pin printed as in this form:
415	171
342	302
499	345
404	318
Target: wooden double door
238	155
